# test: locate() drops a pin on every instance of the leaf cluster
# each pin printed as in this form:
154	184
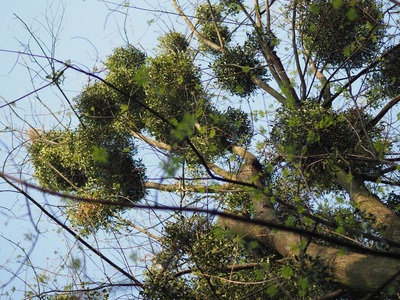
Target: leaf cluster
313	138
210	21
204	250
386	79
336	31
235	68
89	163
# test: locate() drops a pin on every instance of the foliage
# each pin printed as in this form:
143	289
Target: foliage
89	163
342	32
207	255
386	79
173	42
235	67
100	104
314	138
210	19
306	192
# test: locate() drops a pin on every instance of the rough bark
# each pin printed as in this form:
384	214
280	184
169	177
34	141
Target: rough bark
370	206
355	270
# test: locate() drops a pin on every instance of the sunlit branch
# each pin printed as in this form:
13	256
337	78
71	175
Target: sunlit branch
223	188
216	212
154	143
243	153
128	223
215	24
316	219
195	31
281	77
269	90
221	172
296	54
326	91
229	268
369	204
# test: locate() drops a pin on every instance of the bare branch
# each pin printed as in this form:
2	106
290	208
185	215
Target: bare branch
384	110
269	90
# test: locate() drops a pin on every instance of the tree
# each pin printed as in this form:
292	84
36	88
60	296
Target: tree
298	200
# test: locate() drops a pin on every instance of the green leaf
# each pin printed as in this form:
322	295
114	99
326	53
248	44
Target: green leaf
314	8
352	14
286	272
337	4
100	154
246	69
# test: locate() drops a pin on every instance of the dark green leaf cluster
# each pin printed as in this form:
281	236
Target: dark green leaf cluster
339	31
239	203
173	42
210	21
193	264
101	105
315	137
94	163
173	90
193	246
393	202
235	68
387	76
234	127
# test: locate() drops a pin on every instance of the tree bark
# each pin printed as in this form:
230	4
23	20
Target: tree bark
384	220
355	270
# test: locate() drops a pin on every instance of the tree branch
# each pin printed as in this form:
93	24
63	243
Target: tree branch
368	272
230	268
326	91
195	31
369	204
384	110
153	143
269	90
225	188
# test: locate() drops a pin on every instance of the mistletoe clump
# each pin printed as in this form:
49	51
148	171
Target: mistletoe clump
314	137
342	31
92	164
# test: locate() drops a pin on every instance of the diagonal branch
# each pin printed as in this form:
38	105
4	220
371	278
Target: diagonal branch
369	204
71	232
195	31
269	90
368	272
384	110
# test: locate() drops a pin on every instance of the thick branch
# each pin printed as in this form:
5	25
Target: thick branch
223	188
243	153
153	143
221	172
269	90
384	110
358	271
370	205
217	170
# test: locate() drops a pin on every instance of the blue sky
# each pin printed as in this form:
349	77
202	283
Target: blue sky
88	31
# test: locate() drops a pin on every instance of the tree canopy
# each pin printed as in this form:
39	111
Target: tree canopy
273	129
